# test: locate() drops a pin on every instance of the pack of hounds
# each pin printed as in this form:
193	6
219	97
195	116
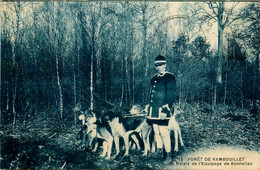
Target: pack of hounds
109	127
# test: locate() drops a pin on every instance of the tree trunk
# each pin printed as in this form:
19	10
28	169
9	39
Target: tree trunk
75	94
241	89
59	88
93	56
133	81
91	83
92	66
181	90
214	95
122	80
14	64
255	82
146	62
57	42
144	36
127	79
220	41
225	90
14	100
7	98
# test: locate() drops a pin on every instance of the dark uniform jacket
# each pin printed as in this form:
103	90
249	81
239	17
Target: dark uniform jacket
163	92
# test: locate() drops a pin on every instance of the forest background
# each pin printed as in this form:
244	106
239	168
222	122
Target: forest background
55	55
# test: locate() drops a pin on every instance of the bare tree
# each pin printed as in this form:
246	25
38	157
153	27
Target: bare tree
224	17
208	13
248	34
149	15
15	22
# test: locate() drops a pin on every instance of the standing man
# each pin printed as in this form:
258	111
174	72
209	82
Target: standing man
162	96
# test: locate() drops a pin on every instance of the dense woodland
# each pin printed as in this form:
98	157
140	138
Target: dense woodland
55	55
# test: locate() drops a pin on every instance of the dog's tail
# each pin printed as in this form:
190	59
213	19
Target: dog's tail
140	127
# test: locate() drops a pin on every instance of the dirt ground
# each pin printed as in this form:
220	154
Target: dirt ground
48	148
58	150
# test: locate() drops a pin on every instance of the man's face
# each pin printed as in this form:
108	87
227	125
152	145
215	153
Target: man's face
160	67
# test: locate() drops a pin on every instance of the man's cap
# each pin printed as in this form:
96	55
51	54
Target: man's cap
160	59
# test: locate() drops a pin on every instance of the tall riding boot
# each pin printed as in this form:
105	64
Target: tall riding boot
168	159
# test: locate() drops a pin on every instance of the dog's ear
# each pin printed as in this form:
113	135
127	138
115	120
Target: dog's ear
138	108
81	117
177	110
77	107
103	119
84	127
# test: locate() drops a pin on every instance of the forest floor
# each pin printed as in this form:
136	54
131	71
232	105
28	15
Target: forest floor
39	146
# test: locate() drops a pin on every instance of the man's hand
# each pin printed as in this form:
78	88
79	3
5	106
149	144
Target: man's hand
146	108
163	116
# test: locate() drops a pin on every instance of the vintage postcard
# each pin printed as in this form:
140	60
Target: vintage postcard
130	85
